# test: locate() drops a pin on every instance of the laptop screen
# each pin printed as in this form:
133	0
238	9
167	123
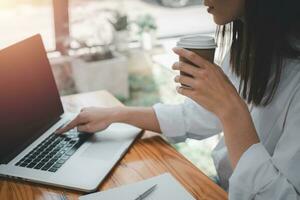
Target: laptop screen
29	100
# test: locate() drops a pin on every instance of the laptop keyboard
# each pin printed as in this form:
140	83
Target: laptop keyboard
53	152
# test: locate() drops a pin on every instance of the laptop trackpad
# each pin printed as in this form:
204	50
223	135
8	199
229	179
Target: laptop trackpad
112	142
102	151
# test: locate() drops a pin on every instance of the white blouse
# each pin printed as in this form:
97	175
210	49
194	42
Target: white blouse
267	170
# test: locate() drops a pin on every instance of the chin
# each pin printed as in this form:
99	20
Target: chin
221	21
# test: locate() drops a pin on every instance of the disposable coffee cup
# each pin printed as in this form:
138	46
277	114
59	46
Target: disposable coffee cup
204	46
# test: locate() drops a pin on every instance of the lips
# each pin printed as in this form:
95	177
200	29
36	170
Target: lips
210	8
208	4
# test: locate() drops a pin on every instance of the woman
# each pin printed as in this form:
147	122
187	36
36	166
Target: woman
254	99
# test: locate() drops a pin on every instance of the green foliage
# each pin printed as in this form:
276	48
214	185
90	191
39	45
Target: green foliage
143	91
119	21
199	154
146	23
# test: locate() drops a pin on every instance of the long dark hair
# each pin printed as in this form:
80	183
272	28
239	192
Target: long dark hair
259	44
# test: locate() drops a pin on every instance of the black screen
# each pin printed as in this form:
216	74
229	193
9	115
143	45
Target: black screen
29	99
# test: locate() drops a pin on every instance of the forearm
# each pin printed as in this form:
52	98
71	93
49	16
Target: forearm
141	117
239	132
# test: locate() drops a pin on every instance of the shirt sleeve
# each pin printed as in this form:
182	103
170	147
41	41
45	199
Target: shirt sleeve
259	175
189	119
186	120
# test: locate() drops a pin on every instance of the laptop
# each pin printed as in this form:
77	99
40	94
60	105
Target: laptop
31	111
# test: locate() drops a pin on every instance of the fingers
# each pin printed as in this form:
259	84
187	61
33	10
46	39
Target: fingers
185	80
74	123
184	67
84	128
92	127
68	127
185	91
193	57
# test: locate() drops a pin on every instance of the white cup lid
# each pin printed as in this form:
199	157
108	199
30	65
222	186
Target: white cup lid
197	42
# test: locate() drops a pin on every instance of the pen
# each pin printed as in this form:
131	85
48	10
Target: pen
146	193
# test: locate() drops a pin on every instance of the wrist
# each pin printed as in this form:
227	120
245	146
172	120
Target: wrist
235	110
118	114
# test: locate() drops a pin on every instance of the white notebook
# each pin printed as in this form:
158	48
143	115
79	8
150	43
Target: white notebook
167	188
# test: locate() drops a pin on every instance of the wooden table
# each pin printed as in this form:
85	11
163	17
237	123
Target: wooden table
149	156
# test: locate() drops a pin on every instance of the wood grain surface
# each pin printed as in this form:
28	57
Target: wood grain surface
149	156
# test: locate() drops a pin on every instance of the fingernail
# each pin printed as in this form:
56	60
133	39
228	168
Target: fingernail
57	131
176	48
174	65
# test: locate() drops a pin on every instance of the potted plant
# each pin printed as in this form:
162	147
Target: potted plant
147	29
94	64
97	67
120	24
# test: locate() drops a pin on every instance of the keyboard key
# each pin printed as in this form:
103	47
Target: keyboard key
57	141
62	152
71	152
61	161
47	143
46	167
69	145
31	157
34	162
35	154
39	166
31	165
28	160
73	141
55	150
40	157
18	163
56	157
65	157
53	169
52	154
60	138
52	161
23	164
57	165
37	159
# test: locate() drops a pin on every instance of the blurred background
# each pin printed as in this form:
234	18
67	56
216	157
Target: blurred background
123	46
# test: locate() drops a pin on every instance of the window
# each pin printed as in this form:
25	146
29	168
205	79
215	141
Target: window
89	17
20	19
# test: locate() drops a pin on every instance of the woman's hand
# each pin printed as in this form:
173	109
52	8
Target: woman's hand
208	85
90	120
94	119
